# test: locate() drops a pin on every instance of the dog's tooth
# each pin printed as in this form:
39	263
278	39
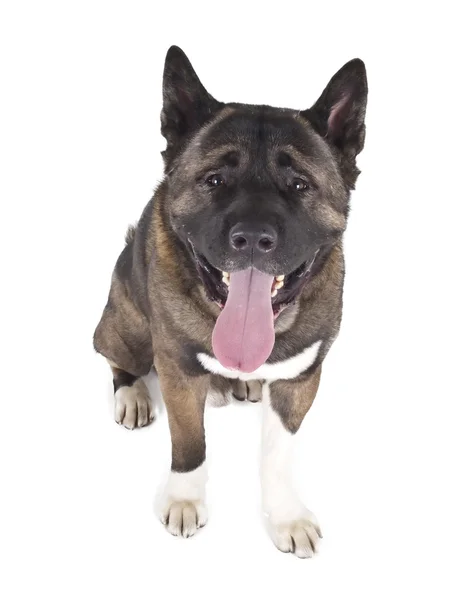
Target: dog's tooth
278	285
225	280
280	277
274	293
225	274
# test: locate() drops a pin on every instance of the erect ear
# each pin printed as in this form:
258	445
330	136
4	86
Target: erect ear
186	103
339	113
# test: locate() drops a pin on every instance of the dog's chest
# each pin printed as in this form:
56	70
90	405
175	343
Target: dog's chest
286	369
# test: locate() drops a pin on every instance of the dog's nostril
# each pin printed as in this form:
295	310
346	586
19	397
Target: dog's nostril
254	237
265	244
239	242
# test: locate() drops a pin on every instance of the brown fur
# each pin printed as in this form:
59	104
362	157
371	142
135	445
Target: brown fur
185	399
292	399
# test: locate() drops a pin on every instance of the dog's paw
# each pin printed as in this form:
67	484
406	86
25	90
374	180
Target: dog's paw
247	390
184	517
182	506
300	537
133	405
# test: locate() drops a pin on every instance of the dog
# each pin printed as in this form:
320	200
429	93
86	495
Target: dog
231	282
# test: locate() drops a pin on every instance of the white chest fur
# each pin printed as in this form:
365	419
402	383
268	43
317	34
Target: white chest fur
284	369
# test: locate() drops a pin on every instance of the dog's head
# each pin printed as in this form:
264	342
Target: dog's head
257	195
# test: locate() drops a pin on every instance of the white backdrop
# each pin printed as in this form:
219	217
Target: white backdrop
79	158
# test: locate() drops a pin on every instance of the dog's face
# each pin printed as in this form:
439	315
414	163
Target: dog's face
257	194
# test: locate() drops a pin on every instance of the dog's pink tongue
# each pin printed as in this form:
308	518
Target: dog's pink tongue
243	337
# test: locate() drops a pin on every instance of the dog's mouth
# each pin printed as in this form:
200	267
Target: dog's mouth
285	289
250	301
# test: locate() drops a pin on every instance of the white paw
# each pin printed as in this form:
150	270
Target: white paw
301	537
184	517
133	405
183	509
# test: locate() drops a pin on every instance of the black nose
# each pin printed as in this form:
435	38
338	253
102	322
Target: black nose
247	237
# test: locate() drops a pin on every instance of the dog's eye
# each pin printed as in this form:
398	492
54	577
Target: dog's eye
215	180
299	185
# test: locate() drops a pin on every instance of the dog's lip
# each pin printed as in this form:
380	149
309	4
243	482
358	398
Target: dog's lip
217	281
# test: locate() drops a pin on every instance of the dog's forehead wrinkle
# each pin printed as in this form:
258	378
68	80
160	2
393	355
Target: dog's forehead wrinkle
261	136
251	130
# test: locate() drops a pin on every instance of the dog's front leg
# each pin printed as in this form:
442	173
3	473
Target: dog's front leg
183	508
293	528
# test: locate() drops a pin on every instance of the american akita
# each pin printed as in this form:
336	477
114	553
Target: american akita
232	280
